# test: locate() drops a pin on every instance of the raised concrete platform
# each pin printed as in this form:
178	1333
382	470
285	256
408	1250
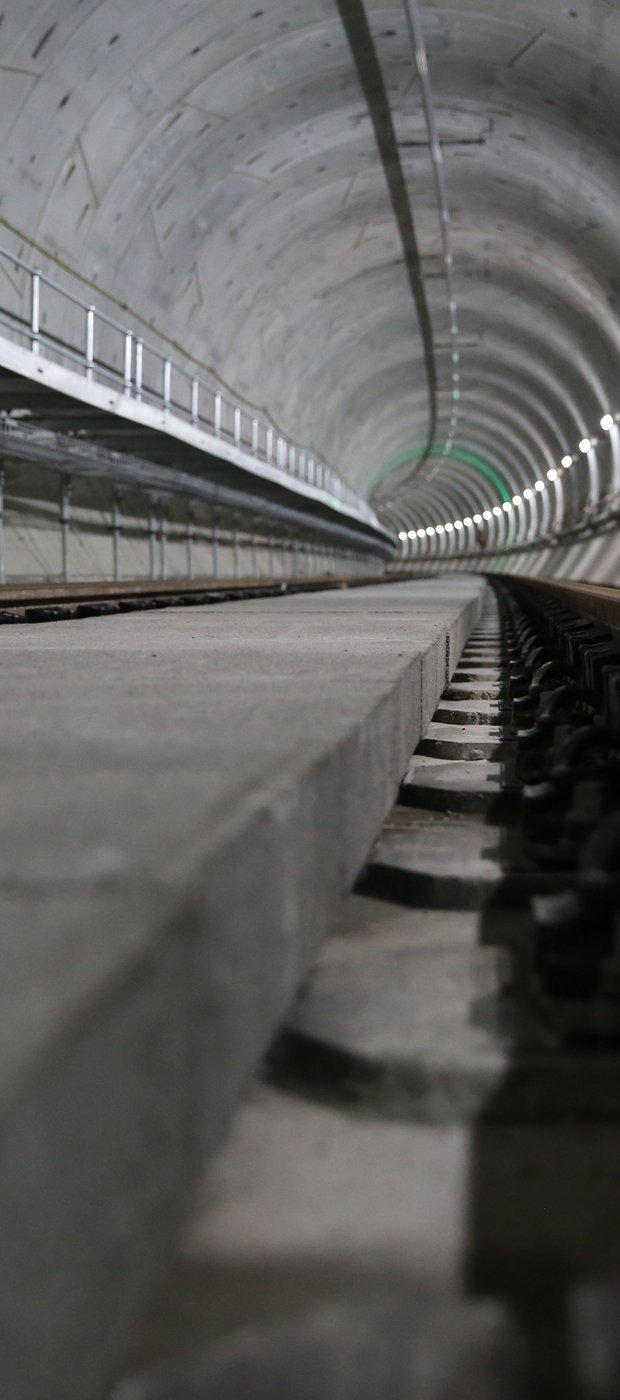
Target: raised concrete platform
186	795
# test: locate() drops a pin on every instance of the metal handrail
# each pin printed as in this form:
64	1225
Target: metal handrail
277	451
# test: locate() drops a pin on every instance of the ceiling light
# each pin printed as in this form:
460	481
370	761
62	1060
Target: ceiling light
411	534
567	462
430	529
517	500
439	529
607	422
528	493
402	534
585	445
449	528
467	521
487	515
458	524
497	510
552	474
507	505
421	534
477	520
539	485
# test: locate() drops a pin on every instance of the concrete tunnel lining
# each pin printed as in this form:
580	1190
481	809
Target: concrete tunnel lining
209	169
215	167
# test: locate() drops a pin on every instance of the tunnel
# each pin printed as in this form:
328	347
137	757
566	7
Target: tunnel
392	234
310	635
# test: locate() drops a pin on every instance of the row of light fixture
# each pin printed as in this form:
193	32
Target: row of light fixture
456	526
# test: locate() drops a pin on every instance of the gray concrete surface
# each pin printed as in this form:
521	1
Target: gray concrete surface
165	537
388	1348
393	993
419	1135
472	1183
185	796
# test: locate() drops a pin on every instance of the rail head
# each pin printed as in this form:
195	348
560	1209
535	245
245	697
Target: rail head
598	601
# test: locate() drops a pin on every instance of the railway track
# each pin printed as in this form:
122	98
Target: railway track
510	810
67	602
52	602
525	743
473	979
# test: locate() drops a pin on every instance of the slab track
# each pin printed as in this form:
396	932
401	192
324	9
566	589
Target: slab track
468	1000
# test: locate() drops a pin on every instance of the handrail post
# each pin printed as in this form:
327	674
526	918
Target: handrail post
255	436
90	341
269	445
167	384
128	360
35	310
217	415
163	536
189	539
2	561
116	530
194	409
153	539
139	367
292	459
237	426
237	572
65	519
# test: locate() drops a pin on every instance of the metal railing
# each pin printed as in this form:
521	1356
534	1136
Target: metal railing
76	332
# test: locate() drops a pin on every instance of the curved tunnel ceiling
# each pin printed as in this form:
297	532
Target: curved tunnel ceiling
214	164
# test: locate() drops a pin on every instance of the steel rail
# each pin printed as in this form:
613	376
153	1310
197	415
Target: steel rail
595	600
600	601
29	602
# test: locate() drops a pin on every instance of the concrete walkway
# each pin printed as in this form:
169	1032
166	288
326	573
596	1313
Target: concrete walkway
185	797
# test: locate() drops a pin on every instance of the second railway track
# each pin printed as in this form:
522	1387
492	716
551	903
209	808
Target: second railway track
69	602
